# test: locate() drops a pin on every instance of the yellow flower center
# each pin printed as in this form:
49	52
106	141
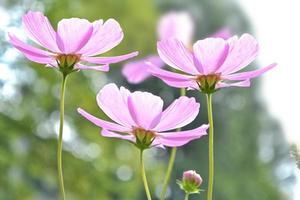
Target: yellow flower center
144	138
207	83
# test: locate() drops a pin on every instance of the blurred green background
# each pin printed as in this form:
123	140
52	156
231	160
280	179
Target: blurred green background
251	153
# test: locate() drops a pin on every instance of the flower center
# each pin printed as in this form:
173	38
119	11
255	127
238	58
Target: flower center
207	83
66	62
144	138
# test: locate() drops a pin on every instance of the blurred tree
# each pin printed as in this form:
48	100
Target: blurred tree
249	144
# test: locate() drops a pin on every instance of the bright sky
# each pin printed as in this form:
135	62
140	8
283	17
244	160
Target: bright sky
277	27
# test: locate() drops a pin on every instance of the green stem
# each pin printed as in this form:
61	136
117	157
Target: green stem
60	138
171	162
168	174
186	196
210	147
144	176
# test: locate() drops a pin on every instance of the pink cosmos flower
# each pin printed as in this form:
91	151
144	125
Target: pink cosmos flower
139	118
74	44
213	63
179	25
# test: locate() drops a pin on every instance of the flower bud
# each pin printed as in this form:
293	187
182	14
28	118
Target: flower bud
192	177
191	182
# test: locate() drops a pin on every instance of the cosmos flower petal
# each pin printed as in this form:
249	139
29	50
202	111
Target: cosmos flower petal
179	25
137	71
102	123
104	68
113	102
145	109
242	52
210	54
180	113
105	37
174	53
108	60
244	83
32	53
224	33
107	133
164	74
176	139
249	74
40	30
73	34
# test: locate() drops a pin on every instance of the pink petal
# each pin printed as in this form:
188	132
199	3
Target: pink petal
107	133
179	25
32	53
40	30
105	37
249	74
175	139
210	54
109	60
73	34
174	79
241	53
137	71
145	109
174	53
113	102
102	123
103	68
244	83
180	113
224	33
164	74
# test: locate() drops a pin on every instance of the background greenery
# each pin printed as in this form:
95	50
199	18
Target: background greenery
251	153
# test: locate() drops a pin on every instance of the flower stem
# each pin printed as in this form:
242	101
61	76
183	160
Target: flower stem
210	147
168	174
60	138
144	176
171	162
186	196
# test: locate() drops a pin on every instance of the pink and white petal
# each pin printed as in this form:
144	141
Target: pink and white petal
105	37
40	30
179	25
175	139
145	109
73	34
103	68
32	53
107	133
242	52
210	54
180	113
174	53
244	83
249	74
111	100
102	123
137	71
109	60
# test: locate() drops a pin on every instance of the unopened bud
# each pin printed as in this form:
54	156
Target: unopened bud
191	182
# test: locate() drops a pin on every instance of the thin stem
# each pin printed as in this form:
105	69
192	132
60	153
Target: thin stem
144	176
171	162
210	147
186	196
168	174
60	138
